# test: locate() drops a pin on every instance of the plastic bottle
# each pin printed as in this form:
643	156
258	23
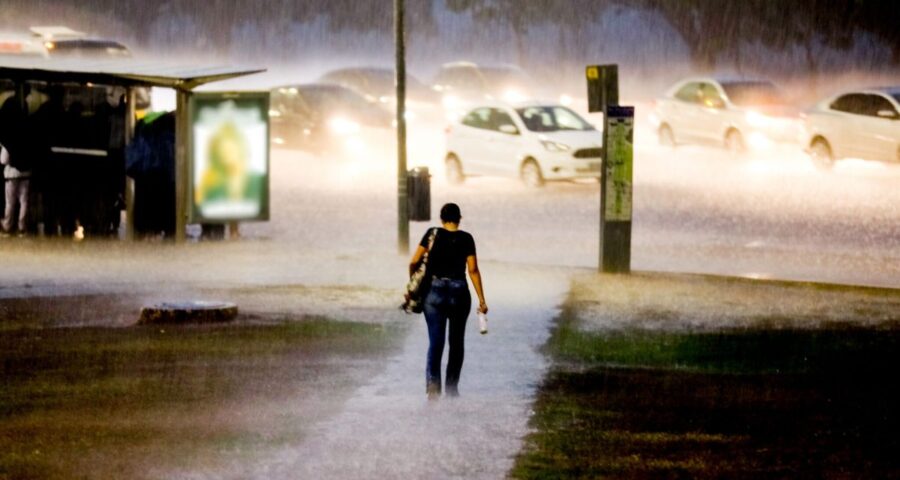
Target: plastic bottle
482	323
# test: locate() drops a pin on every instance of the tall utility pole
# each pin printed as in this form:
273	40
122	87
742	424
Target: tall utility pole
400	80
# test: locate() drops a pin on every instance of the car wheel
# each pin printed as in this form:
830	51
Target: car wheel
453	169
734	142
821	154
666	136
531	175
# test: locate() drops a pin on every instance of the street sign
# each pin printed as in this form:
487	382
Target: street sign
619	166
603	86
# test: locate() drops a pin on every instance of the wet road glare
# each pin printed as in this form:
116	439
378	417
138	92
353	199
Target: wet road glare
767	214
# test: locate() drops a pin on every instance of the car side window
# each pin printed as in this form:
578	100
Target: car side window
689	93
854	103
479	118
710	96
500	118
877	103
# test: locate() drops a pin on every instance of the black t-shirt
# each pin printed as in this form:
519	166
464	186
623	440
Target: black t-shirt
447	258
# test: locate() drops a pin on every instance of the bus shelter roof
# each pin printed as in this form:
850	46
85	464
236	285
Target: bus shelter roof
118	71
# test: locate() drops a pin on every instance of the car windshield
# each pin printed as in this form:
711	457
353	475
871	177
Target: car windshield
381	82
504	77
552	119
753	93
324	99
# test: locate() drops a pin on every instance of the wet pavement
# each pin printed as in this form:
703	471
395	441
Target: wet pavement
327	251
387	428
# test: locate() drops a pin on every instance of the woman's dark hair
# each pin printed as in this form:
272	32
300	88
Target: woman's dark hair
450	213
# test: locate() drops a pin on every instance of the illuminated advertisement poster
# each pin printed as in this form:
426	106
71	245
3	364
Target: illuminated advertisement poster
229	157
619	164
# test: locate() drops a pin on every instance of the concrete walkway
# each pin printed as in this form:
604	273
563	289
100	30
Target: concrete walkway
387	429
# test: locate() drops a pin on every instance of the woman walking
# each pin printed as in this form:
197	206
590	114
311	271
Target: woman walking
448	301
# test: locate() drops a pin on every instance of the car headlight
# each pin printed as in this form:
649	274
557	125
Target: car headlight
451	102
756	119
343	126
512	95
552	146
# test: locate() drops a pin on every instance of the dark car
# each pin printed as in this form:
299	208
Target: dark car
60	41
323	118
377	84
86	47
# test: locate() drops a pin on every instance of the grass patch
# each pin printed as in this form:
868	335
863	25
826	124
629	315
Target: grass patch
755	402
733	351
127	402
627	423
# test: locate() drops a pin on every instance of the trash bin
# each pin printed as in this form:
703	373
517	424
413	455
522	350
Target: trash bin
418	189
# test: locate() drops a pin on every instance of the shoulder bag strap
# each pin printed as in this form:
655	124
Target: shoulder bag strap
430	244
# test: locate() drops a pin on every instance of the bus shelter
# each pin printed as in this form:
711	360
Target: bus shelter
220	138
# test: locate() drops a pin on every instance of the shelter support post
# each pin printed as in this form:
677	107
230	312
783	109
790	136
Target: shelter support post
130	119
182	117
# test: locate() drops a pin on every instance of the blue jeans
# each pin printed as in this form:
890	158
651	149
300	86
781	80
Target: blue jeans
448	300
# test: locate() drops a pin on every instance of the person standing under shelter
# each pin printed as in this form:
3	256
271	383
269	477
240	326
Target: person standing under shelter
16	159
17	185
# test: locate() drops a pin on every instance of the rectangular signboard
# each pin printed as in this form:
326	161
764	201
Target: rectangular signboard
619	163
229	157
603	86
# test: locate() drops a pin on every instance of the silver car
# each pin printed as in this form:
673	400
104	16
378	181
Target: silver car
859	124
738	114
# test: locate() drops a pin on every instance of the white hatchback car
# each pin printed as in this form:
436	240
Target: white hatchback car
739	114
860	124
534	142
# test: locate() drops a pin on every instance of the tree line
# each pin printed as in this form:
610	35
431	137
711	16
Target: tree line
711	29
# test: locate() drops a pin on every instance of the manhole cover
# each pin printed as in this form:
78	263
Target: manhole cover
188	312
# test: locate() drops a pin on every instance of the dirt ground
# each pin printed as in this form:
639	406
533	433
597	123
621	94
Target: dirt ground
88	394
673	302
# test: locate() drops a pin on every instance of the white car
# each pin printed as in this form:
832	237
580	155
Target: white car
534	142
738	114
860	124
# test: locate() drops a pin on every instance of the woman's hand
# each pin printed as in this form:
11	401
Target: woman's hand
482	307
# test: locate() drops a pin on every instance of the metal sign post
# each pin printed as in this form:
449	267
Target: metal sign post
617	172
